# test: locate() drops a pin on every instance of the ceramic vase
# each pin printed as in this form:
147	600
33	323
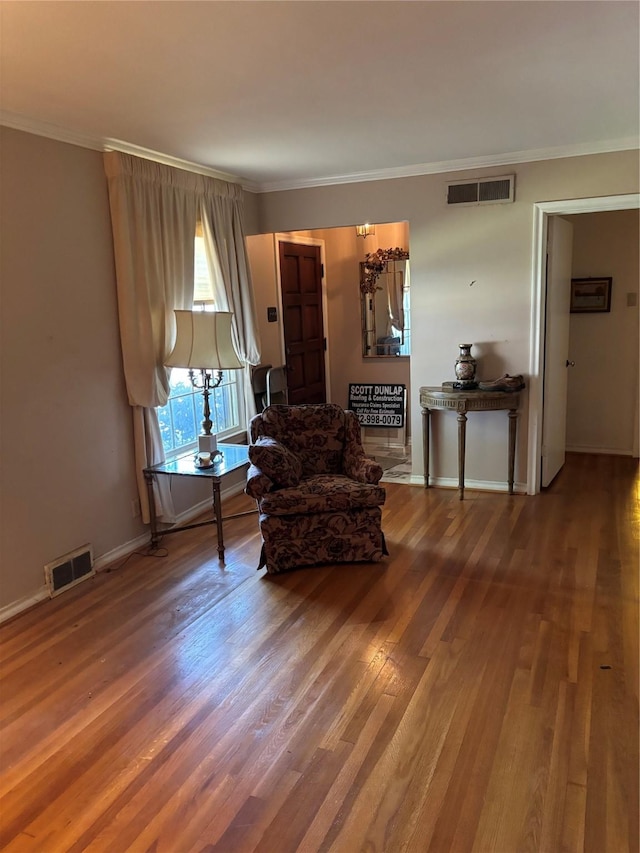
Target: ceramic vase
465	368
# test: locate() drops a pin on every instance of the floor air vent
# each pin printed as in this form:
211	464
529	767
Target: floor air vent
69	570
482	191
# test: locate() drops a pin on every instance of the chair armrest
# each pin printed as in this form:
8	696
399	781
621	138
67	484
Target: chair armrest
354	462
362	469
258	484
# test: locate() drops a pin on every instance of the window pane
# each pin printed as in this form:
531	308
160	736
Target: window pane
181	419
184	420
203	285
166	428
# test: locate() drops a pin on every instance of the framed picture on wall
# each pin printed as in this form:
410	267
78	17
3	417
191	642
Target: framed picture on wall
590	295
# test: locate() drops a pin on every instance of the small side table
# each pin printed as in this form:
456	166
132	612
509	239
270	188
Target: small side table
235	456
463	402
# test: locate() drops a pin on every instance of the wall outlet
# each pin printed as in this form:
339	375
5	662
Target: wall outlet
135	507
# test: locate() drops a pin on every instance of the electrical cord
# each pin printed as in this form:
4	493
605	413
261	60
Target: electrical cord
150	551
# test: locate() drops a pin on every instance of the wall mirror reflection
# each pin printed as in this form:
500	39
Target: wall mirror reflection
385	304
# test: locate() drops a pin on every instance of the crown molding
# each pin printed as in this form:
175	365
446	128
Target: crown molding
52	131
61	134
470	163
177	162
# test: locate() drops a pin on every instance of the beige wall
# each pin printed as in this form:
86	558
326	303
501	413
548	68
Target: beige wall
450	248
603	385
65	434
66	442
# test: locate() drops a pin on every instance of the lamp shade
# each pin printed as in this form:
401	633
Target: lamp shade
203	340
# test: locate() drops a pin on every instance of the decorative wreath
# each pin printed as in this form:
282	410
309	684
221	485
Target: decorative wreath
375	264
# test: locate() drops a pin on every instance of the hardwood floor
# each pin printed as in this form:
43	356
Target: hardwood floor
475	691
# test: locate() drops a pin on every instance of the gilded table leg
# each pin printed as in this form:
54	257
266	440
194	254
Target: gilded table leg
217	510
462	434
513	421
426	425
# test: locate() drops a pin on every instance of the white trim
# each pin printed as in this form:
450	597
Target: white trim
472	485
22	604
49	130
177	162
61	134
461	165
284	237
541	211
106	560
603	451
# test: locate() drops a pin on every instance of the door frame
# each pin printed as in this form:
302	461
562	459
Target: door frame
541	213
284	237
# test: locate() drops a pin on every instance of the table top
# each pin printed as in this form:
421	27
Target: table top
469	399
234	456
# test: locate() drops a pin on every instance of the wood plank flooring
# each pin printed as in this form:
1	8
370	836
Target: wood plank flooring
475	691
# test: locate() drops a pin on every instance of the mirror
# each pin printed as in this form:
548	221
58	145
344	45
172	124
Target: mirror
385	304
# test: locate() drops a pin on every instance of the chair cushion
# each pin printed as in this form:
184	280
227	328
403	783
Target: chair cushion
322	493
275	460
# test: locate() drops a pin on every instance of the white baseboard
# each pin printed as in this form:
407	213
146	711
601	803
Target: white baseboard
183	518
604	451
16	607
477	485
104	560
370	445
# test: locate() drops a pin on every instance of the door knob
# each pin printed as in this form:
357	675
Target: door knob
570	363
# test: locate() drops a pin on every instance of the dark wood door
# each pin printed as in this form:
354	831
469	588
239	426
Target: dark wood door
301	285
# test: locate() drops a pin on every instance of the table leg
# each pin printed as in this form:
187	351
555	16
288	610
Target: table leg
155	538
217	510
426	426
462	434
513	421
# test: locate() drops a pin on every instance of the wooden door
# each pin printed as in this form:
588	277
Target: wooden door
556	357
304	341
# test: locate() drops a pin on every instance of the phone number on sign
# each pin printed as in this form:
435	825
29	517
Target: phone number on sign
369	419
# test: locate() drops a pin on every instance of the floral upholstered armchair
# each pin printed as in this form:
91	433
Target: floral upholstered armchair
318	495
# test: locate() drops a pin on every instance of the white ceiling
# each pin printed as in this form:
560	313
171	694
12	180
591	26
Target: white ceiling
284	94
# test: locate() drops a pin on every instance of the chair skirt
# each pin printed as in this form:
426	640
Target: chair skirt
292	541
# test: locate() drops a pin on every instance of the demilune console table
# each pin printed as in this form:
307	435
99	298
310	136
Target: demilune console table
235	456
463	402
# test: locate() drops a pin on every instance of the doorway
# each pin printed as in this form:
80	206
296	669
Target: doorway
542	212
302	322
302	298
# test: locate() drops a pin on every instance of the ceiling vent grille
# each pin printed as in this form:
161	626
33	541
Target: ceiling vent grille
482	191
69	570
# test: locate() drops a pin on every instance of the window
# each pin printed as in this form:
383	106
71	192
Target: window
180	420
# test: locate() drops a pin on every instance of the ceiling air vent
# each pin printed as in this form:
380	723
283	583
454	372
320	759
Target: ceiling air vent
482	191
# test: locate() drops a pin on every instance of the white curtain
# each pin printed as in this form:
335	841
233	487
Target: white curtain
153	215
222	215
154	210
